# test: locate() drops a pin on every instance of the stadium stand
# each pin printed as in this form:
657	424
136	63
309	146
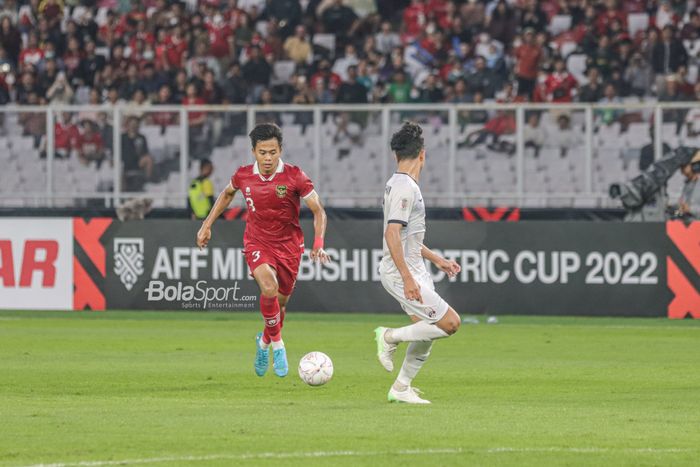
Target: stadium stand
153	53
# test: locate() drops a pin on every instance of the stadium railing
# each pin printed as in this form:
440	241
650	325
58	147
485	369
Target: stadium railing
541	155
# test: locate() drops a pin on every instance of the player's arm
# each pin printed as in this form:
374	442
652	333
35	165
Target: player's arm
392	235
313	201
222	202
450	267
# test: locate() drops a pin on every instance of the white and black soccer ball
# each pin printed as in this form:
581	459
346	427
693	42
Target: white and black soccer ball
315	368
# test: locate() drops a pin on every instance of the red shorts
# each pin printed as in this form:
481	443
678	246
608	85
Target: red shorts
286	268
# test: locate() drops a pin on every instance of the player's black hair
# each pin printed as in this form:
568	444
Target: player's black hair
407	143
265	131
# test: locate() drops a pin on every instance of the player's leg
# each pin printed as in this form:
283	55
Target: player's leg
417	353
436	318
432	319
425	330
286	272
283	300
266	277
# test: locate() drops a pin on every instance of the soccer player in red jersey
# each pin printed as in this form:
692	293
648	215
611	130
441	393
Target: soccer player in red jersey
273	241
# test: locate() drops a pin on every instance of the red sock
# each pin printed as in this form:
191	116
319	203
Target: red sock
283	311
270	308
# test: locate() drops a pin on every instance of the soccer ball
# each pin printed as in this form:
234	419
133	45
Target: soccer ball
315	368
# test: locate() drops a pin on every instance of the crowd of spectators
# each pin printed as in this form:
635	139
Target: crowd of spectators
346	51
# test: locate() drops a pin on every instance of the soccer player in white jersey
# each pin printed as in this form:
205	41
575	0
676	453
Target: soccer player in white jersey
403	271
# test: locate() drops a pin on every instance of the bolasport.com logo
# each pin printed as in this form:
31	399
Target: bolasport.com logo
185	277
200	295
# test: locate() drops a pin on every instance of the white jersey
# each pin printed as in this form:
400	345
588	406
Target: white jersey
403	204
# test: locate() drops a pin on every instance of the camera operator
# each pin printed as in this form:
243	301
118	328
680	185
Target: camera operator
645	196
689	202
653	210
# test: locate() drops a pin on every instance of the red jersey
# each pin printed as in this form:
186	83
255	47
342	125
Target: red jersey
218	40
65	136
528	59
175	49
560	87
89	144
414	17
273	207
31	56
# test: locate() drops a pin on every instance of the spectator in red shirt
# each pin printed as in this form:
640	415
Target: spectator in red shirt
142	34
414	18
111	30
72	57
89	144
234	15
65	136
175	49
331	80
197	120
219	34
540	93
611	14
527	56
560	84
32	54
502	124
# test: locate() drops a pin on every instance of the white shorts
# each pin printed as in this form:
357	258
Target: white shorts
433	307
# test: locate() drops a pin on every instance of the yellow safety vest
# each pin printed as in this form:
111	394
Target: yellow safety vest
199	194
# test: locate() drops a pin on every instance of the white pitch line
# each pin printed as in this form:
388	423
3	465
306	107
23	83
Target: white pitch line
324	454
594	450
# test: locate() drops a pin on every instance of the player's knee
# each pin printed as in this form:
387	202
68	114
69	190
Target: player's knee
451	326
451	323
269	288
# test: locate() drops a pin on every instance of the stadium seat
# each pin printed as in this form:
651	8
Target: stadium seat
567	48
326	41
559	24
282	71
637	22
576	64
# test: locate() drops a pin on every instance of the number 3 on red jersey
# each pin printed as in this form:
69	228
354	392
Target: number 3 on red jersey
250	203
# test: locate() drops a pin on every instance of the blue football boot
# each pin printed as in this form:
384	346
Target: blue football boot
262	357
279	362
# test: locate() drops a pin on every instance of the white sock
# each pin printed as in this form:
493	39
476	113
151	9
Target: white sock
416	332
264	345
416	354
276	345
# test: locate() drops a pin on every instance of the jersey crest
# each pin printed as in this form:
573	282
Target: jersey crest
281	191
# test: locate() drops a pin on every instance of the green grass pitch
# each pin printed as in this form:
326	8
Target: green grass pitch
130	388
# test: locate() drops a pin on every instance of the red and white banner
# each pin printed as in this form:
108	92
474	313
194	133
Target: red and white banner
36	264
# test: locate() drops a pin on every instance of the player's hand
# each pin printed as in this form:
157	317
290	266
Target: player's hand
449	267
203	236
411	289
683	208
319	255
